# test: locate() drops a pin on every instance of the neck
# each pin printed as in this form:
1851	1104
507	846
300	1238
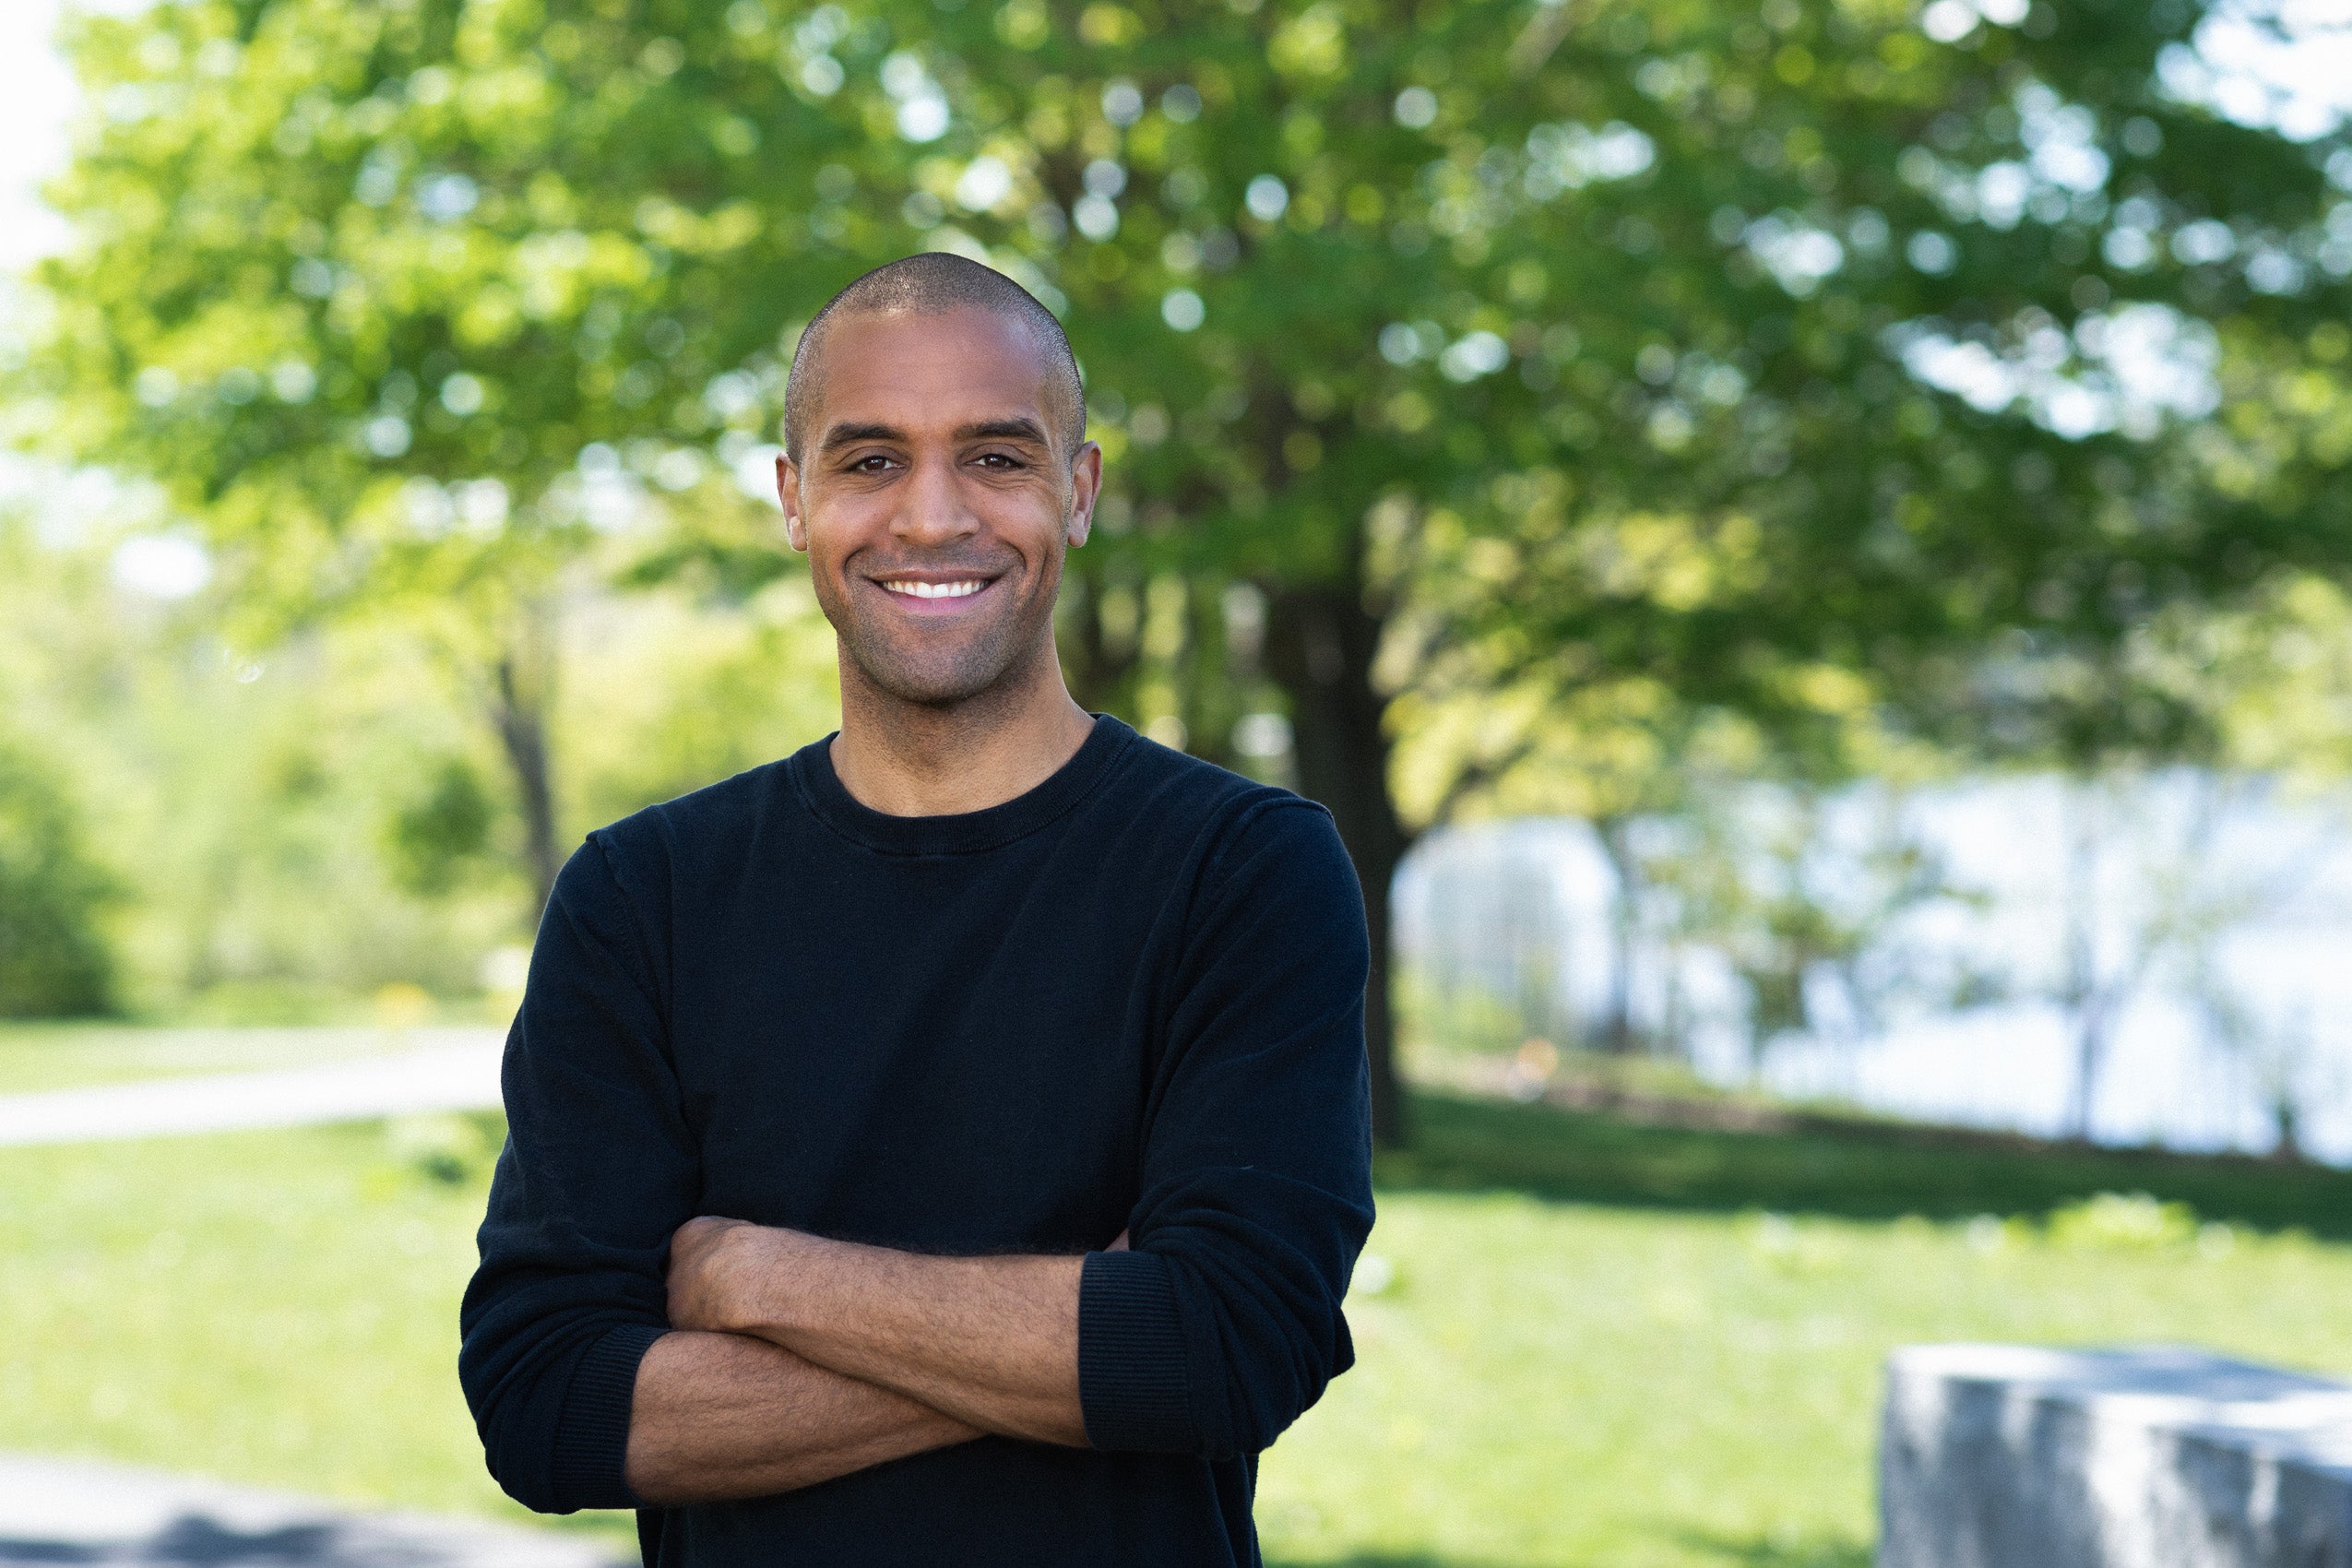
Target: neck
917	759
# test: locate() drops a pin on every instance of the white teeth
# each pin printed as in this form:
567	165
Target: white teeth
935	590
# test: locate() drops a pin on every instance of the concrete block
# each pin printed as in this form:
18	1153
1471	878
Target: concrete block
2011	1456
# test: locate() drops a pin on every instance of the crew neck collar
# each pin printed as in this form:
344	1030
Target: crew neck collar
966	832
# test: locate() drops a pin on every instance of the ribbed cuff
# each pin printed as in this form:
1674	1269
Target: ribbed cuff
1132	1387
593	1439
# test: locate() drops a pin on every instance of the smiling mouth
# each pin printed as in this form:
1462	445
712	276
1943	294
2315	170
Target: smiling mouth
909	587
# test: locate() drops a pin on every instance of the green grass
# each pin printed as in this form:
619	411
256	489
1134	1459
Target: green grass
1627	1346
1605	1345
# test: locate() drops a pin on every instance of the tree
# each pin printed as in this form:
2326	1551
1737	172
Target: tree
55	957
1781	358
1822	330
2170	872
408	306
1810	903
2274	1044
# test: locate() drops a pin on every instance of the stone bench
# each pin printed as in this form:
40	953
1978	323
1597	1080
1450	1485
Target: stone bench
2010	1456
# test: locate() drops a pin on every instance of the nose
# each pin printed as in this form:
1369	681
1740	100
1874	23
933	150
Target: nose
930	505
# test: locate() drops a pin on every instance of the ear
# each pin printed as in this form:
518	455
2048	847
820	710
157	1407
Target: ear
787	493
1085	488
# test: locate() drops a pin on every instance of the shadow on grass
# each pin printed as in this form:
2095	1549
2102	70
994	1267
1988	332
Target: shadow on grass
1727	1550
1766	1553
1857	1169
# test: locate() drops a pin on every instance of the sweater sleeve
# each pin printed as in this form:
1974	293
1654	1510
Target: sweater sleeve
1224	1323
599	1169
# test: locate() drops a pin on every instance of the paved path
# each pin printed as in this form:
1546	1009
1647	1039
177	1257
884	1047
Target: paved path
457	1072
56	1511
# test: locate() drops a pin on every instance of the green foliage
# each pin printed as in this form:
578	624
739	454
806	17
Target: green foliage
668	695
1804	907
2125	1221
269	892
1467	1019
1610	304
367	281
290	833
55	958
429	839
238	799
453	1151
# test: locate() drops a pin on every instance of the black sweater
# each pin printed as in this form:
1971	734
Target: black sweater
1131	998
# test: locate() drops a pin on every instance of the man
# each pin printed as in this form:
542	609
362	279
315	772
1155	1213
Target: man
829	1076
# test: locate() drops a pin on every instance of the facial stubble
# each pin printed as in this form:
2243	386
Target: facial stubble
906	660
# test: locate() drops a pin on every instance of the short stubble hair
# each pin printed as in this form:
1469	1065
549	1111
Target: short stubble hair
932	284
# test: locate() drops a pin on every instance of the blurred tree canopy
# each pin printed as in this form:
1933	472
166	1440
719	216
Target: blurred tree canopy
1532	382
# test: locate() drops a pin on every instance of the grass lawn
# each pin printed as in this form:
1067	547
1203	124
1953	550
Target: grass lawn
1603	1345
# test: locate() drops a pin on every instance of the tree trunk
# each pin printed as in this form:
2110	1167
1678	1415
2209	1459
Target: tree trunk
518	709
1319	647
1615	833
2288	1117
2090	1054
2081	991
1096	672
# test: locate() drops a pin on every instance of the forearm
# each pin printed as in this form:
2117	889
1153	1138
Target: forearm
720	1416
992	1341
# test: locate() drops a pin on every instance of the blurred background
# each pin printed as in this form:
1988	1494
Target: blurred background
1805	543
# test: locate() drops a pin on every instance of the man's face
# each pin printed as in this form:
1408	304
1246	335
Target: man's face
932	502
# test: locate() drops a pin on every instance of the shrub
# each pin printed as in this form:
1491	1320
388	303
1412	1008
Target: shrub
55	961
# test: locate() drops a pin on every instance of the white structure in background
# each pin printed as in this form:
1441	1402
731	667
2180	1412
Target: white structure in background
1514	912
2196	928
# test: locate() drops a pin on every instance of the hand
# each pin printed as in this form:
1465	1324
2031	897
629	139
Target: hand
709	1257
1119	1244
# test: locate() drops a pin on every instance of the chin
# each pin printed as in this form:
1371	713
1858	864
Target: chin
939	694
929	683
943	672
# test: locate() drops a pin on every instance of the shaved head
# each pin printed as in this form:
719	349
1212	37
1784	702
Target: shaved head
933	284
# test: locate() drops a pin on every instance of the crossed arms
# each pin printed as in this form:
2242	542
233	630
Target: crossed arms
794	1359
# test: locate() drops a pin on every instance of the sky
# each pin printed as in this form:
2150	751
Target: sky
36	95
2282	62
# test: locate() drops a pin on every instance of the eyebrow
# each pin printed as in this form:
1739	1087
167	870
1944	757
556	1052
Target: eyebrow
1004	430
844	434
1017	429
